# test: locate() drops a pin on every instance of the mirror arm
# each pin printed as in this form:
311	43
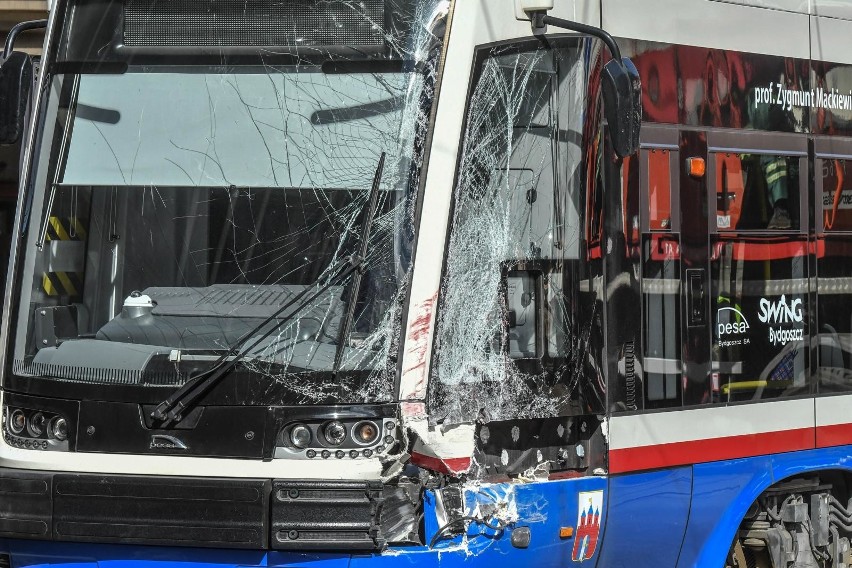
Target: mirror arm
15	31
542	19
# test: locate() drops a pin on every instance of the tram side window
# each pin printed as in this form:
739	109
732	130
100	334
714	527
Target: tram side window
761	318
659	189
836	195
757	192
834	278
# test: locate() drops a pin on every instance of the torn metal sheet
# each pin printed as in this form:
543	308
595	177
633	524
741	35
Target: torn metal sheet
535	448
444	450
473	517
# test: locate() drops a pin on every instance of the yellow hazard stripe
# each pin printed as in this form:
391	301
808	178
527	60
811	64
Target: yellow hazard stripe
65	229
48	286
66	283
60	230
61	283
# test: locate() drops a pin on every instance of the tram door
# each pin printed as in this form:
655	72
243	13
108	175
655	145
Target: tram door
725	266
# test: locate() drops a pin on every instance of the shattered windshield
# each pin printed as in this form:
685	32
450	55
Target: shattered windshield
517	308
187	188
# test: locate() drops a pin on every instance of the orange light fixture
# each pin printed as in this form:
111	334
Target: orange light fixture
696	167
566	532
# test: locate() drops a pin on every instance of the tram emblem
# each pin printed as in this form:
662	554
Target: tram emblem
589	510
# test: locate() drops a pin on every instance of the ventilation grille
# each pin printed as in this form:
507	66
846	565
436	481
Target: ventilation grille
252	23
94	375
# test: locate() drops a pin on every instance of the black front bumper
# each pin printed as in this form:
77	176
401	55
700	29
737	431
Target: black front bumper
193	511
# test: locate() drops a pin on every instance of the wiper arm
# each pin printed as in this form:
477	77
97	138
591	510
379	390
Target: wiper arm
366	227
173	408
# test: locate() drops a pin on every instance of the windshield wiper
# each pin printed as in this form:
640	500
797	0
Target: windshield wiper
346	324
172	409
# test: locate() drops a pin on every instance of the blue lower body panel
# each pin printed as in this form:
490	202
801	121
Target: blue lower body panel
723	492
684	516
648	514
542	507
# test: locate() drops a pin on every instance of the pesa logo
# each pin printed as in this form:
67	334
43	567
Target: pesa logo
163	442
736	327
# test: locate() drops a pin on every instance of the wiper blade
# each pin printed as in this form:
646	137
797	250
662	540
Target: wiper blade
172	409
366	227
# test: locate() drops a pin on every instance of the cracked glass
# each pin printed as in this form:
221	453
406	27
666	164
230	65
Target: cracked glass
517	305
206	163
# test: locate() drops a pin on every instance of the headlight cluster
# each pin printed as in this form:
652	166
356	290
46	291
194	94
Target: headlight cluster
34	429
340	438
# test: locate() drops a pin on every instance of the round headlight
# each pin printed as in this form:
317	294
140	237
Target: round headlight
300	436
17	421
335	433
35	425
365	432
58	429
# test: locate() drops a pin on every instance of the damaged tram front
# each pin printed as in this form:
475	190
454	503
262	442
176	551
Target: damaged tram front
311	276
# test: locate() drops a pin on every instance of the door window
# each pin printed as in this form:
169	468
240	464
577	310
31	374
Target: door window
757	192
834	275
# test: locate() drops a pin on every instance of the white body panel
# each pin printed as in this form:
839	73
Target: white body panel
655	428
710	24
833	410
801	6
830	40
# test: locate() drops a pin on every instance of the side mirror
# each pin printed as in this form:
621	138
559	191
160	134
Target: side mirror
622	94
16	80
622	88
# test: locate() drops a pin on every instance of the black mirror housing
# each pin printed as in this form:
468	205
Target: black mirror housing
622	94
16	80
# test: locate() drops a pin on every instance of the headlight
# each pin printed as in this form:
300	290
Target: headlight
335	433
365	432
35	425
58	429
17	421
300	436
334	436
34	429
